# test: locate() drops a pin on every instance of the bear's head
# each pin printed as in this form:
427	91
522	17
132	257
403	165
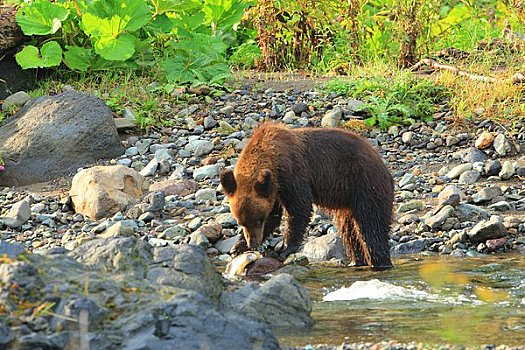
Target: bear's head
251	200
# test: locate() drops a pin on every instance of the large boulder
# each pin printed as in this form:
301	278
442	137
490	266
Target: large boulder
115	254
102	191
53	136
186	267
279	302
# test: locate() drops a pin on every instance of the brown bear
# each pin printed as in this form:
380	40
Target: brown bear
292	169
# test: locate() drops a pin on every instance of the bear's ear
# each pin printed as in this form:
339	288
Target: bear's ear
263	186
228	182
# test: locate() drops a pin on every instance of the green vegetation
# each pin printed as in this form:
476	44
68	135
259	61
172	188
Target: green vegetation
128	47
396	100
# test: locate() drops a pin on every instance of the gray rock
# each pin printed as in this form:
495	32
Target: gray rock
439	218
507	170
449	191
469	177
289	117
227	110
18	215
191	270
41	142
207	172
469	212
5	336
412	247
206	194
492	167
324	248
71	306
18	99
471	155
456	171
226	220
501	206
279	302
486	194
409	206
160	156
332	118
209	122
119	229
502	145
191	321
199	147
407	179
120	254
487	229
198	239
225	245
299	108
12	250
407	137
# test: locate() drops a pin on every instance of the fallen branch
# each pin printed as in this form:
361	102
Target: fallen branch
434	64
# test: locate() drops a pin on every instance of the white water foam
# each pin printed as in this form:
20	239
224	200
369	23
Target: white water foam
376	289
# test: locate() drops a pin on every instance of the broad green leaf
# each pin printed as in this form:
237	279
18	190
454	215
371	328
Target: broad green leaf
163	6
209	45
223	14
135	13
78	58
41	17
116	49
50	55
162	23
103	27
178	69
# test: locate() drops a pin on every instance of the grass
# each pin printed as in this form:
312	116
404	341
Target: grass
392	100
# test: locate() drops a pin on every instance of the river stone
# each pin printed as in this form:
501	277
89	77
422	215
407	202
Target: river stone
175	187
448	192
18	215
191	321
469	177
486	194
280	302
191	270
118	254
17	99
53	136
225	245
484	140
470	212
207	171
11	250
332	118
324	248
5	336
103	191
411	247
502	145
487	229
458	170
507	170
439	218
492	167
471	155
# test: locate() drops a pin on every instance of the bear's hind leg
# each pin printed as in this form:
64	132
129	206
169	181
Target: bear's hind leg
350	235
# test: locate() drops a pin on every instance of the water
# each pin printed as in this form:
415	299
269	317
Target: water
433	300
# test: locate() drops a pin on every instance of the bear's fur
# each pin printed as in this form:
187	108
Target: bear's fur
282	169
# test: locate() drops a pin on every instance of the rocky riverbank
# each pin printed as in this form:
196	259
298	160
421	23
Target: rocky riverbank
459	191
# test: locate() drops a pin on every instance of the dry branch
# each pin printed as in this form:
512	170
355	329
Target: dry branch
434	64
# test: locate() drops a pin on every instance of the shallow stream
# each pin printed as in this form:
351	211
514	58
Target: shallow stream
433	300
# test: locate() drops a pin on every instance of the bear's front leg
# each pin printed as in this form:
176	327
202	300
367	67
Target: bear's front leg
298	206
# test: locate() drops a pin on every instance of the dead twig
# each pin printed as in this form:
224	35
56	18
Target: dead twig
434	64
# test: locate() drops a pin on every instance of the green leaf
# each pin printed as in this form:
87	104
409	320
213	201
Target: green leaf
103	27
78	58
135	13
49	55
163	6
223	14
41	17
116	49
